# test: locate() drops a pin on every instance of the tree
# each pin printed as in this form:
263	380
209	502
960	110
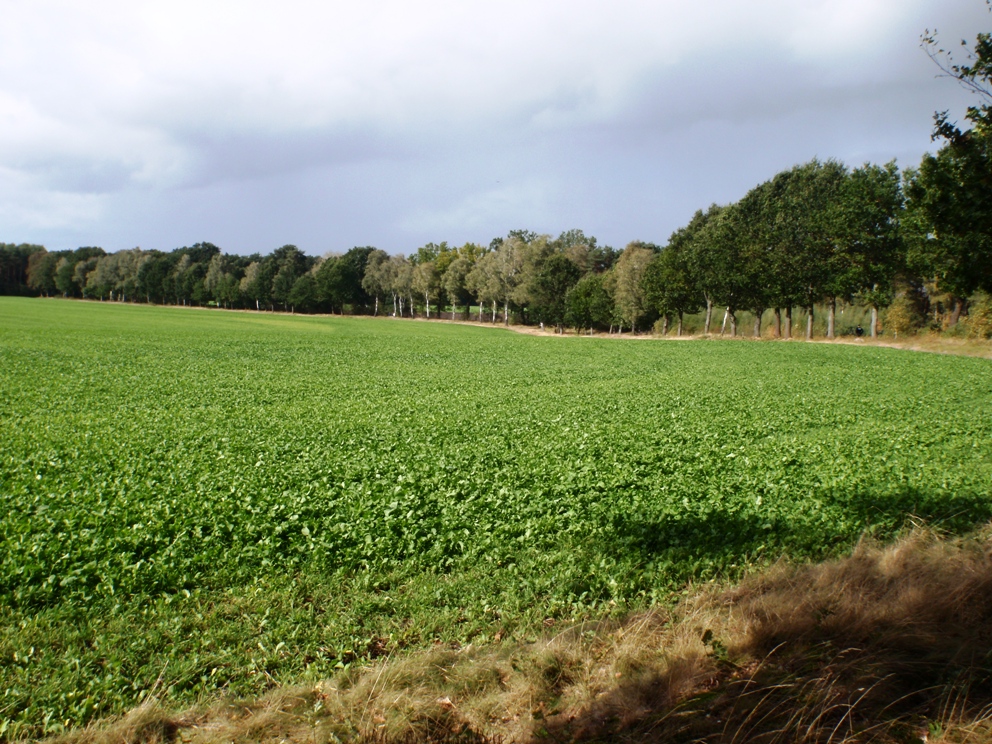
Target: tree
215	271
804	206
454	283
387	276
151	277
483	281
870	250
356	259
507	264
523	236
253	284
41	271
426	281
749	225
81	271
579	249
64	271
339	279
732	282
669	284
700	258
950	195
402	284
588	304
282	284
629	293
14	267
102	279
303	294
530	259
375	281
286	265
550	288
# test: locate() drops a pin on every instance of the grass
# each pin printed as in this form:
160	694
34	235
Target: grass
204	503
889	644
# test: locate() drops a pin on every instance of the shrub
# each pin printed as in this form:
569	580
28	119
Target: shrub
979	321
902	317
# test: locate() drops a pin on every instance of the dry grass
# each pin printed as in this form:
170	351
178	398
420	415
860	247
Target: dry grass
890	644
934	343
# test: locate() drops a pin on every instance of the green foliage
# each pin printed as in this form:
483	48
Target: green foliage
950	195
14	260
551	285
205	502
902	317
979	322
669	285
588	304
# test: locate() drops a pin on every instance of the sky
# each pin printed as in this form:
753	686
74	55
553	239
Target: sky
395	123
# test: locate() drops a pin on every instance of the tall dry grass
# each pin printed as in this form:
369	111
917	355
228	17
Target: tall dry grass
891	644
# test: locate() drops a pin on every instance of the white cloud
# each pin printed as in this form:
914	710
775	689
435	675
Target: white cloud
27	209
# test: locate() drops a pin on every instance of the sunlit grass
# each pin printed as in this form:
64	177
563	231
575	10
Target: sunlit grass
200	501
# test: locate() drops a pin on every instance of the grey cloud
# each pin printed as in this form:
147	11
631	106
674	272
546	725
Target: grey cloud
77	174
225	156
435	145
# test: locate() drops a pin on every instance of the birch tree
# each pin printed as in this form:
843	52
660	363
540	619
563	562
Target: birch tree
426	282
629	295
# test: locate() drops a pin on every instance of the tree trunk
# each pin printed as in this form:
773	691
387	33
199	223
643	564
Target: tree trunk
427	303
809	323
787	332
955	313
831	317
506	312
777	326
494	312
758	312
874	321
723	326
376	311
664	326
257	307
709	316
679	332
733	323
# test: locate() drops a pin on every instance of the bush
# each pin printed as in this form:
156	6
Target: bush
979	321
902	317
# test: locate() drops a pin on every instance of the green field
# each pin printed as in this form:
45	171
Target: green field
198	501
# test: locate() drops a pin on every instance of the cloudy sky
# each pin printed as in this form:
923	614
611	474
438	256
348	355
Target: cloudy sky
394	123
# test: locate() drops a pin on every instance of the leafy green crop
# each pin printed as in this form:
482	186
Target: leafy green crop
198	501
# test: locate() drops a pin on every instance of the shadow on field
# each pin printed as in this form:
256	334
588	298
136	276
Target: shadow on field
886	645
721	537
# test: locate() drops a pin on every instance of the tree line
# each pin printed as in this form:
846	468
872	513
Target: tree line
813	236
917	244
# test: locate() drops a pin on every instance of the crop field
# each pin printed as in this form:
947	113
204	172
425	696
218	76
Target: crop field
199	502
